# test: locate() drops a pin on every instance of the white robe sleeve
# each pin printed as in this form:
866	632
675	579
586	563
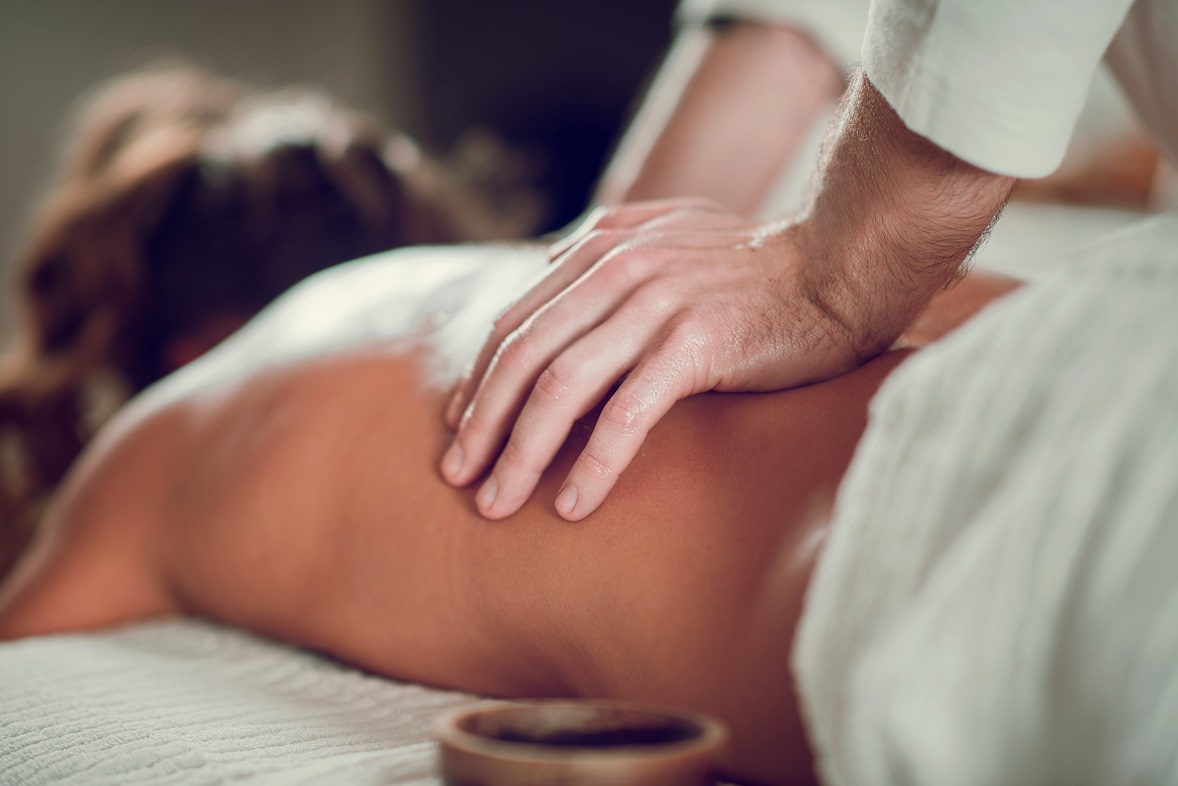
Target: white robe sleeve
998	83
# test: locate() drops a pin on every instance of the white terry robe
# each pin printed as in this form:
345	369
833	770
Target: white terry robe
998	599
1000	83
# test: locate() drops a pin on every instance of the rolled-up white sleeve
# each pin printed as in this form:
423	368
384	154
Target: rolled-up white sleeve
998	83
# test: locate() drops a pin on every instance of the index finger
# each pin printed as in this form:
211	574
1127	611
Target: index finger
560	277
640	402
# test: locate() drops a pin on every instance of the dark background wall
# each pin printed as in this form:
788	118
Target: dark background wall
557	78
554	78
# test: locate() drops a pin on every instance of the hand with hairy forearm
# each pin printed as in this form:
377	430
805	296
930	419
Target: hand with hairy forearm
676	298
892	222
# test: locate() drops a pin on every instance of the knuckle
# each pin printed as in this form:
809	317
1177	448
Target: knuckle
688	354
653	298
514	354
473	425
687	331
624	412
592	463
555	383
636	263
515	458
626	266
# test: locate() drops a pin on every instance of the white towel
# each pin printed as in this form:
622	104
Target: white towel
998	599
187	702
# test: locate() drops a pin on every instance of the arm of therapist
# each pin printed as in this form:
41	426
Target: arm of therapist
677	298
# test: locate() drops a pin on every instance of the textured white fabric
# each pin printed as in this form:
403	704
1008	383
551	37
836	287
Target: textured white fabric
191	703
998	599
1026	242
188	703
1000	83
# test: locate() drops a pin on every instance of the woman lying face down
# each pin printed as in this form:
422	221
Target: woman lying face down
286	483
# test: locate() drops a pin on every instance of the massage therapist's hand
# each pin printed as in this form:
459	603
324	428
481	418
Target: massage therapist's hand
677	298
674	298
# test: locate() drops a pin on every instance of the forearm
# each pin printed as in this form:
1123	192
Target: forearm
892	223
725	115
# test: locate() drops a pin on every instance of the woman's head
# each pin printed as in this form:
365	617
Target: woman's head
284	186
184	203
186	200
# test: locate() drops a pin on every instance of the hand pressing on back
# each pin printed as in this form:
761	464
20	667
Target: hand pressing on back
678	297
672	298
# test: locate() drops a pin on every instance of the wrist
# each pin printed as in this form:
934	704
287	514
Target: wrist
825	326
892	222
825	279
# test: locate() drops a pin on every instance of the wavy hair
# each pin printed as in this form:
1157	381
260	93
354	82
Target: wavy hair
183	197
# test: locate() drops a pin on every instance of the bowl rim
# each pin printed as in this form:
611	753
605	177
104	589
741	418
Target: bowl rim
713	733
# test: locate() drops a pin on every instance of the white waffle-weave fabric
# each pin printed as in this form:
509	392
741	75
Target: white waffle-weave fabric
998	599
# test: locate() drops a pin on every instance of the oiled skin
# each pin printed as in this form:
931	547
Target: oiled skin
301	500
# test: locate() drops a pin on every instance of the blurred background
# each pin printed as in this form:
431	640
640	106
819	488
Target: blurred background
554	81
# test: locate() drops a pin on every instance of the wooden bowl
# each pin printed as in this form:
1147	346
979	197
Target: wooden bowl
579	743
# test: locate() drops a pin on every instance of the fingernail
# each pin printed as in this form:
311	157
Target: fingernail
454	410
486	495
566	500
452	462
